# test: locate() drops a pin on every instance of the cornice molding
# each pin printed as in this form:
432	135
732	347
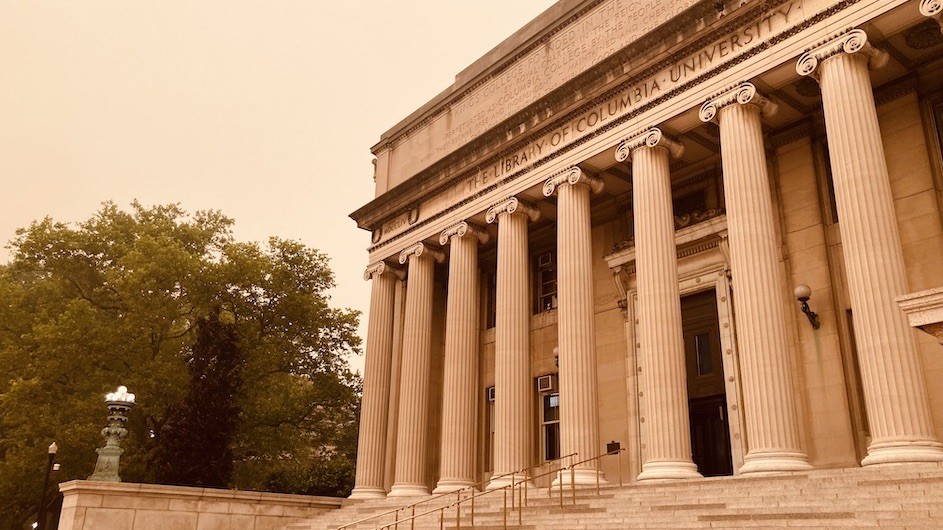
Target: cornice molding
380	268
572	176
461	230
678	22
849	41
742	94
512	205
618	62
428	184
650	138
419	250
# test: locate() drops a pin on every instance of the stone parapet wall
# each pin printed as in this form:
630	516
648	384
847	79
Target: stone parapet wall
91	505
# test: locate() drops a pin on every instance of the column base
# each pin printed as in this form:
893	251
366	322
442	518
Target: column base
775	462
501	482
668	471
368	493
408	490
451	486
581	477
903	452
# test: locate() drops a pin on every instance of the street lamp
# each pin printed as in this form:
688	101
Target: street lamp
119	403
42	499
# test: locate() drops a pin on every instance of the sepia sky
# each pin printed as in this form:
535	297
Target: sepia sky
265	110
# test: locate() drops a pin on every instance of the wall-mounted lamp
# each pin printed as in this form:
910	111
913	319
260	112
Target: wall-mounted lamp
803	293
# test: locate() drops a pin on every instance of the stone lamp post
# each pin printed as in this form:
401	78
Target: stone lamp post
119	403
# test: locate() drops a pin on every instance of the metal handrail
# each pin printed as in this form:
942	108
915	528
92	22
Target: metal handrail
522	499
472	487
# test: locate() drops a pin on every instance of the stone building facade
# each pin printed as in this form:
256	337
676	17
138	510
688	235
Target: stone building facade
595	235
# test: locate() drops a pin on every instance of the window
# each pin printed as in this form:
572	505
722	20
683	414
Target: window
691	202
702	349
491	300
550	425
546	279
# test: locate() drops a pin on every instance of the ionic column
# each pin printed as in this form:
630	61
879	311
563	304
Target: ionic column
933	9
579	407
514	389
768	394
895	393
374	408
661	354
459	410
412	431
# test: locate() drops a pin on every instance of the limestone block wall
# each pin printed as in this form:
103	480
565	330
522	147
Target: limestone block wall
611	351
123	506
918	220
829	437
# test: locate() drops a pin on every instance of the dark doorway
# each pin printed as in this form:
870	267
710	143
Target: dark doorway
707	399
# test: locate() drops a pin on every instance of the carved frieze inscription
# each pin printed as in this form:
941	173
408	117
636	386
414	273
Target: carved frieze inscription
584	124
597	34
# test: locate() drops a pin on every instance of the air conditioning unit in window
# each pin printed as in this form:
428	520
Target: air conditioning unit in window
490	393
547	383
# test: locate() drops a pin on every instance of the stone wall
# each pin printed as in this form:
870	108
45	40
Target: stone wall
122	506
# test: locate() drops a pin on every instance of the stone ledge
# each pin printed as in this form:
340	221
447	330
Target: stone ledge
127	506
924	310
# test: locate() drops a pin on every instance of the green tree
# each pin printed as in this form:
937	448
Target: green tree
195	445
116	300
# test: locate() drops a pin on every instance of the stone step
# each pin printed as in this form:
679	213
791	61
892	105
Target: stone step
891	496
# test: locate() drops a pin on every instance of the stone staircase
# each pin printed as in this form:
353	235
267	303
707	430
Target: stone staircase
904	496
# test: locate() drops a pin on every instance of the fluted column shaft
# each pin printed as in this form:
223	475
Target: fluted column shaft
892	375
459	411
661	354
579	406
513	431
412	431
374	409
768	394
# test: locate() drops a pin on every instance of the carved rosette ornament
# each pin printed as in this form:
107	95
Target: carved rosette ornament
381	267
853	41
652	137
572	176
933	9
512	205
461	230
743	94
418	250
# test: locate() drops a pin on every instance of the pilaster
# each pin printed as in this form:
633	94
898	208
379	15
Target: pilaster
892	375
513	432
374	410
413	432
459	411
768	393
579	403
661	352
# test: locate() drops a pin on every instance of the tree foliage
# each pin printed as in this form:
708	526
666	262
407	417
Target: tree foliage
118	299
195	445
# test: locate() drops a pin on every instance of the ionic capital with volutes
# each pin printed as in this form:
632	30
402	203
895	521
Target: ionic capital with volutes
380	268
418	250
652	137
850	42
572	176
512	205
932	9
461	230
741	94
